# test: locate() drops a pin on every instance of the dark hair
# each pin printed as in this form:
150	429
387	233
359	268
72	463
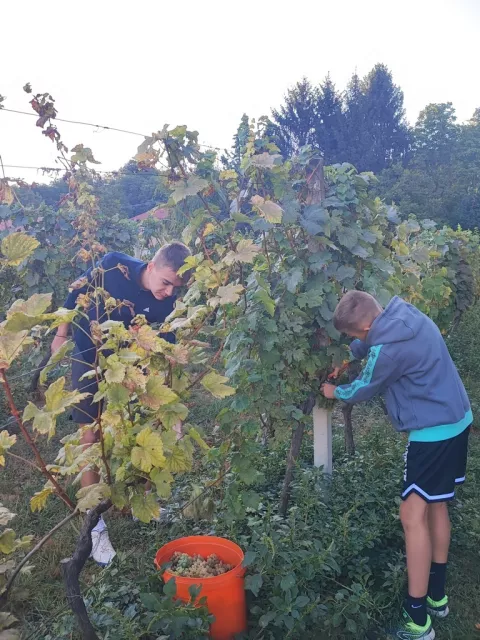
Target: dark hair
173	255
355	311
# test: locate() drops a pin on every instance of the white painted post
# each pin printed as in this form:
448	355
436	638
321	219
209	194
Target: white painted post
322	439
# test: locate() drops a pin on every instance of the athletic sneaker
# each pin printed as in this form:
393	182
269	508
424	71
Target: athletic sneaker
102	551
438	608
408	630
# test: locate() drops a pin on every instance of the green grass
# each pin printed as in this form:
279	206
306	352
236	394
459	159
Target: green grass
38	599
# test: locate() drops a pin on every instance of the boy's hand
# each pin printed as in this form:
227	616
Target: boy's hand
335	373
328	390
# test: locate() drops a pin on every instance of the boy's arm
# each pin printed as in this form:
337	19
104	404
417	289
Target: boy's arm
379	372
79	286
359	349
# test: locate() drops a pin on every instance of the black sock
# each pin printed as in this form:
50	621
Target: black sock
436	584
417	609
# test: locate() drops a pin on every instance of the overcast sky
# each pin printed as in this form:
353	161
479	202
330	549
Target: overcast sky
138	65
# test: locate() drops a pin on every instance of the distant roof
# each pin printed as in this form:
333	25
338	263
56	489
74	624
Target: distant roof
160	214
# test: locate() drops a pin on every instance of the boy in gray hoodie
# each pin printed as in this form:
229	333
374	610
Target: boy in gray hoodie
408	362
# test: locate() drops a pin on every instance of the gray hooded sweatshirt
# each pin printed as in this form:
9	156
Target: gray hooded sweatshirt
409	363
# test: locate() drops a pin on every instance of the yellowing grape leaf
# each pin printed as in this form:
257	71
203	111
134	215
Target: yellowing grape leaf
179	354
228	294
10	634
171	413
115	371
61	316
83	154
5	515
57	357
190	263
39	499
117	395
6	193
190	187
209	228
193	433
157	393
145	507
119	495
228	174
271	211
7	541
162	479
17	247
177	461
57	400
145	337
245	252
7	440
25	314
149	452
265	160
215	384
135	379
11	346
89	497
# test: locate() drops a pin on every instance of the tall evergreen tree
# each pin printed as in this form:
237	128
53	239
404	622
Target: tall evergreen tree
296	119
330	123
387	133
355	133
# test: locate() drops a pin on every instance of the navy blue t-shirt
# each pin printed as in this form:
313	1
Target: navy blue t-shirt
120	287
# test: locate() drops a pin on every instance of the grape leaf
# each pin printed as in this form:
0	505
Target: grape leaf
157	393
228	294
162	479
190	187
262	296
56	401
39	499
115	371
57	357
265	160
171	413
145	507
177	461
245	252
7	541
25	314
17	247
11	346
215	384
149	450
271	211
89	497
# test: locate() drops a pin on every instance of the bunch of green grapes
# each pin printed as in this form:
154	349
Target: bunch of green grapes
197	567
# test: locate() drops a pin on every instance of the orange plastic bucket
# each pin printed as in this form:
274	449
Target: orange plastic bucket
225	594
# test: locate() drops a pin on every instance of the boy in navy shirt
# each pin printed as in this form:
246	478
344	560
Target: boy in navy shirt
408	362
149	289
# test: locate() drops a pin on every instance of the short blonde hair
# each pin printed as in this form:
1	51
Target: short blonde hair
355	312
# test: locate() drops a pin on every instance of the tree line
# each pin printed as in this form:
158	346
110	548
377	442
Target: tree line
429	169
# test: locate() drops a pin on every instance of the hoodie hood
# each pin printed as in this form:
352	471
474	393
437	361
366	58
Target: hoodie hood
398	322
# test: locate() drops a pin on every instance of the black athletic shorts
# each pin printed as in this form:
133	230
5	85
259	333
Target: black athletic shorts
86	411
434	469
